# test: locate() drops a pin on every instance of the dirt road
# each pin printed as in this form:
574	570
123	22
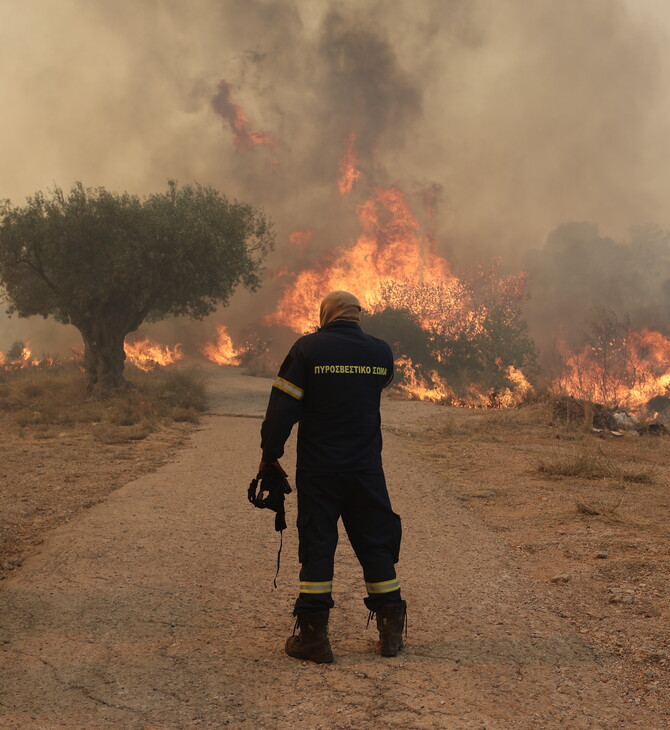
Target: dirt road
155	610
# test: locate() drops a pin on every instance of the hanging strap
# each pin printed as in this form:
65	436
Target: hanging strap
281	542
267	491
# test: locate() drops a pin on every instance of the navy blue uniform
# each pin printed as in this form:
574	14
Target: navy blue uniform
331	383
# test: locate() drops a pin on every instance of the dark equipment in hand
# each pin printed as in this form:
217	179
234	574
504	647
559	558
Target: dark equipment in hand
267	491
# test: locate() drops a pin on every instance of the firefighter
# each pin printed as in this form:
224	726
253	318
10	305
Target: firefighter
331	383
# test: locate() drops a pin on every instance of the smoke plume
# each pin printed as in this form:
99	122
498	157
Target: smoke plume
502	120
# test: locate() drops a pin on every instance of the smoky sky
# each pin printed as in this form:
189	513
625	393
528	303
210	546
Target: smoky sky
523	114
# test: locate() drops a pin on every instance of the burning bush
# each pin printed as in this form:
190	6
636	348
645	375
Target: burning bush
617	366
16	351
457	341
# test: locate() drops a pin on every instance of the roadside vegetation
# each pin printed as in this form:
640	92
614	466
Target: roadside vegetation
589	464
62	452
46	400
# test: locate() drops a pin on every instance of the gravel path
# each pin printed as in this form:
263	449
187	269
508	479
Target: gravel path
155	610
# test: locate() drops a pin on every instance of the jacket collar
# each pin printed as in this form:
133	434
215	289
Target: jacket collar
340	323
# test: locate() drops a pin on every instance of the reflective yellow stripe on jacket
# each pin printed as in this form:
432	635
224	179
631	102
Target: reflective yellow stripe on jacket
289	388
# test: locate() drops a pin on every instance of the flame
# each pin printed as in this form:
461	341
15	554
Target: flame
393	265
389	254
349	172
22	361
26	360
414	385
223	352
521	385
627	375
245	136
148	356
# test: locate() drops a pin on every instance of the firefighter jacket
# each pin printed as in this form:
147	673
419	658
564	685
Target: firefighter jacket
330	382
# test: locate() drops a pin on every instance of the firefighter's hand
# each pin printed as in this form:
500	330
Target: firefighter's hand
274	464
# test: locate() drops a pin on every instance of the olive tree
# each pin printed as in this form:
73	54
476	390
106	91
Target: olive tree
106	262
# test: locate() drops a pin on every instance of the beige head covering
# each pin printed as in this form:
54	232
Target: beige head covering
339	305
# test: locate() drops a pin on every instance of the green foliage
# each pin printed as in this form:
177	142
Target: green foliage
74	255
105	262
505	341
403	332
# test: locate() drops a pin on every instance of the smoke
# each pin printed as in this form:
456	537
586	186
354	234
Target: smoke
580	278
509	118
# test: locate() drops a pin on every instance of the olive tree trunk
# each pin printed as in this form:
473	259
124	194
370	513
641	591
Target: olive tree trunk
104	357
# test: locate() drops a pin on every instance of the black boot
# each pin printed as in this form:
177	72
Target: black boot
391	621
312	642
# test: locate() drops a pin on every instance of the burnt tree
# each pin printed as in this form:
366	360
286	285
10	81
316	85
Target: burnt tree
106	262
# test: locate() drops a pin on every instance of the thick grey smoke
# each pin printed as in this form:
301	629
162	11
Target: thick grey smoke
521	114
580	278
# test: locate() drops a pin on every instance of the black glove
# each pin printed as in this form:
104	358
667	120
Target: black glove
267	491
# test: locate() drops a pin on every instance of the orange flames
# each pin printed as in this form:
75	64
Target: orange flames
414	385
148	356
625	374
349	171
388	259
392	264
223	351
24	360
245	136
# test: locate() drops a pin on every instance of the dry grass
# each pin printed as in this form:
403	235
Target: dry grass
491	424
592	465
62	452
56	397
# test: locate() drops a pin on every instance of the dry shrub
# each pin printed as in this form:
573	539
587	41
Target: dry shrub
577	413
33	390
509	420
591	465
108	434
496	420
448	427
189	415
38	398
125	415
182	388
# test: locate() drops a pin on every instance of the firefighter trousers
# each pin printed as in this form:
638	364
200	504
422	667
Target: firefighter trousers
374	530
